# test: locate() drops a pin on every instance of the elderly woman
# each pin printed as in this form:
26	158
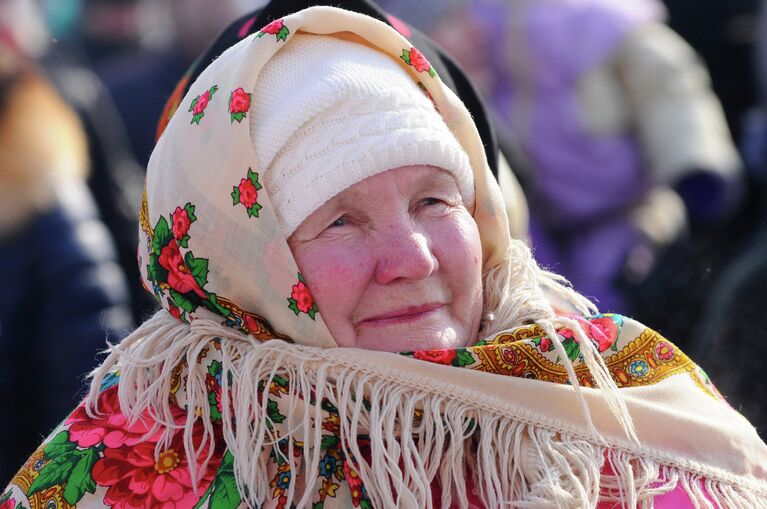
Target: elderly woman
319	201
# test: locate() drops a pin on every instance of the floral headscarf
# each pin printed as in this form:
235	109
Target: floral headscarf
211	245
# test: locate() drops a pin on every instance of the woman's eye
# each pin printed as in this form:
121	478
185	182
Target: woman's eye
341	221
429	201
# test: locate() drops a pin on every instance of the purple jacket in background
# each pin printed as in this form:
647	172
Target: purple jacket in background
581	185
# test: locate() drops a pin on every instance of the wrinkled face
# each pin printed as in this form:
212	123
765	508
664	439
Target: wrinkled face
394	262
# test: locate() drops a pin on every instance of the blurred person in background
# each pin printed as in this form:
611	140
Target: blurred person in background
624	143
48	33
141	81
62	288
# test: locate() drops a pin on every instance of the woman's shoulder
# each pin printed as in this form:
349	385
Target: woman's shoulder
98	457
635	354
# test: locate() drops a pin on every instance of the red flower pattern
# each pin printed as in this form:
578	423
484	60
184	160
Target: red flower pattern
181	223
202	103
276	28
273	28
248	193
418	61
110	426
179	277
239	103
303	297
601	331
135	478
436	356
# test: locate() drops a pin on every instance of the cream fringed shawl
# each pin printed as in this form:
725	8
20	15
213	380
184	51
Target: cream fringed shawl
235	393
356	428
468	418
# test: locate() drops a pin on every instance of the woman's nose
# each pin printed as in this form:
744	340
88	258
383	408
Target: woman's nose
403	253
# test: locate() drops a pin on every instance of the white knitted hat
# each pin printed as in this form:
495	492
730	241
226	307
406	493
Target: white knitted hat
328	113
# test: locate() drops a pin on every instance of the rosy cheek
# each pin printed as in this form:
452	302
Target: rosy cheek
336	278
323	277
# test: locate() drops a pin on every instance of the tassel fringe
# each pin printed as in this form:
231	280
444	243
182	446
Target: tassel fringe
417	436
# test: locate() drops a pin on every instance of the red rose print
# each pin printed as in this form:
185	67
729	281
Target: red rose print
414	58
301	300
197	108
273	28
276	28
303	297
202	103
179	277
239	103
545	344
436	356
181	223
110	426
418	61
248	193
134	477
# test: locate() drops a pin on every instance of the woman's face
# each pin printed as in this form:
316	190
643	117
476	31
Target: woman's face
394	262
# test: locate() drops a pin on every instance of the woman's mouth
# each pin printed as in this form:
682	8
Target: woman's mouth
402	315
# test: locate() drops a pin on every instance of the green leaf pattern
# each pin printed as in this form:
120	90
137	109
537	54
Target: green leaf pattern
67	465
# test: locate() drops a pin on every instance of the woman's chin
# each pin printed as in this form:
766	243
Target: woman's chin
401	339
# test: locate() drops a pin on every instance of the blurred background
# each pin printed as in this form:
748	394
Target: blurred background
637	128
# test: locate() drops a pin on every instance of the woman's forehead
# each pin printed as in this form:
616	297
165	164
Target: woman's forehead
407	179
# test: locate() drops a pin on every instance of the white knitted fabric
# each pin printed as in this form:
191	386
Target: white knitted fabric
328	113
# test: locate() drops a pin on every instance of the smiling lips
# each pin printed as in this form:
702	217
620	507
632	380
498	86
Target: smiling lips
402	315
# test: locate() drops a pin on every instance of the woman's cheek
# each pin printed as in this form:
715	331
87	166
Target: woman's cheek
457	242
335	276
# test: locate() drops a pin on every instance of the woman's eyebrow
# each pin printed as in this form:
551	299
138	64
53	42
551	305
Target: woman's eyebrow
441	180
350	199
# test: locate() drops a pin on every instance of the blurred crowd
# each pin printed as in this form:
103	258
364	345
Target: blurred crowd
638	131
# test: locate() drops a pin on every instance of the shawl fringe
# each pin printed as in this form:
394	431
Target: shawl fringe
418	435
